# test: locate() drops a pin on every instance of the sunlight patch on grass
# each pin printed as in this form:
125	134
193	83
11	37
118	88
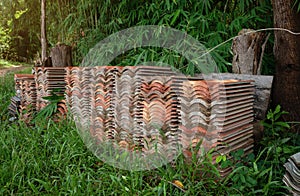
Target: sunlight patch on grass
4	64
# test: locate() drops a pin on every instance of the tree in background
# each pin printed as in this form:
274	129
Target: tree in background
82	24
43	31
286	89
19	29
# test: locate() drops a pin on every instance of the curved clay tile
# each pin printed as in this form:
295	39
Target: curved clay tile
141	107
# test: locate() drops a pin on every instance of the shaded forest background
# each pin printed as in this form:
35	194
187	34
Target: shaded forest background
82	24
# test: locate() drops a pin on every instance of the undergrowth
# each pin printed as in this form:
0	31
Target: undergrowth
210	22
51	159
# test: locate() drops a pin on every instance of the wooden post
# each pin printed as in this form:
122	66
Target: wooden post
248	50
61	55
43	31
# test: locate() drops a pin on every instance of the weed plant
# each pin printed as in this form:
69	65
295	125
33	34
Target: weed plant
261	173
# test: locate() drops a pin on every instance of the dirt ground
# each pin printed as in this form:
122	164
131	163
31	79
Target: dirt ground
12	69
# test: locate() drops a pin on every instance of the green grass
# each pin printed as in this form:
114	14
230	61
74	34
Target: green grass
4	64
54	160
50	158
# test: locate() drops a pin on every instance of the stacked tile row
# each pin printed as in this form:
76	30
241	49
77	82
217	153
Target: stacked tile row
148	107
14	106
232	104
31	88
217	113
87	94
25	99
120	103
142	107
49	80
292	175
194	103
156	114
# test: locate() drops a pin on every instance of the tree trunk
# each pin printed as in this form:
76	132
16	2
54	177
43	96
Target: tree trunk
248	49
43	31
286	89
61	55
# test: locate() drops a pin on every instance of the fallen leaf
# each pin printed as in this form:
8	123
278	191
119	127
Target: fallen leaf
178	184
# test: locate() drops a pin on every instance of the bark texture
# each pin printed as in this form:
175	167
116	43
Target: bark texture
61	55
248	50
43	30
286	89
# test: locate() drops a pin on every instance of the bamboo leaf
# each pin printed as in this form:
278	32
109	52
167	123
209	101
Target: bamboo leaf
175	17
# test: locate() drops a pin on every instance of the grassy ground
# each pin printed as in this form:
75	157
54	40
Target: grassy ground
4	64
9	66
51	159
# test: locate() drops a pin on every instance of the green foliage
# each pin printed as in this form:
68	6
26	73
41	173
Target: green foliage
248	176
51	108
20	21
5	41
262	175
296	5
273	124
82	24
279	143
211	22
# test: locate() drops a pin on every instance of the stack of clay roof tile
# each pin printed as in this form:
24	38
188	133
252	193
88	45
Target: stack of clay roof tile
112	101
292	175
48	80
219	114
147	107
135	106
14	107
155	107
25	99
232	103
79	94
